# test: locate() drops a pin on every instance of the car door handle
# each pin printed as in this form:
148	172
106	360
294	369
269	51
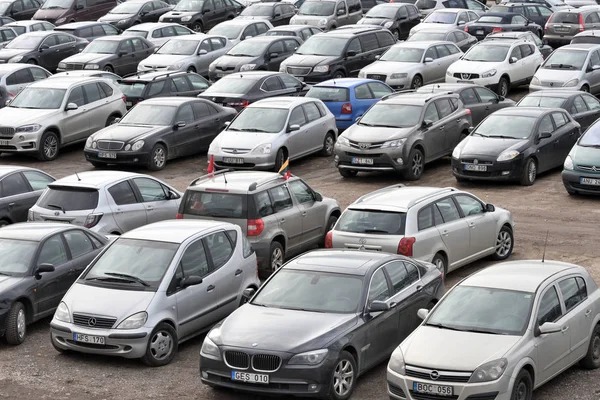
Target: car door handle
149	208
472	225
442	128
393	304
587	313
282	220
564	329
419	288
304	213
444	233
458	119
11	205
238	272
556	141
210	288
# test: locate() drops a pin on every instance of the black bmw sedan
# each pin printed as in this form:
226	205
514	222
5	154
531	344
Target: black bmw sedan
319	322
516	143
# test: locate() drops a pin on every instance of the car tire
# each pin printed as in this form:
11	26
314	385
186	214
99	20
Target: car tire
585	88
396	34
162	346
440	262
108	68
347	173
592	357
505	243
4	223
343	377
416	164
197	26
523	388
503	87
279	160
16	324
32	61
328	144
417	82
111	120
529	173
158	158
338	75
49	145
191	68
276	256
330	224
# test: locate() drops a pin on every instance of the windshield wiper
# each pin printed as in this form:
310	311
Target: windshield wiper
480	134
595	146
503	137
240	55
475	330
365	124
61	208
386	126
52	8
4	273
560	66
303	309
127	276
442	326
255	130
260	305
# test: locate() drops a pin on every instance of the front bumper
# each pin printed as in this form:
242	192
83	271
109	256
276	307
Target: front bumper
250	161
396	83
123	157
21	142
388	159
535	88
491	82
495	171
572	181
314	77
215	75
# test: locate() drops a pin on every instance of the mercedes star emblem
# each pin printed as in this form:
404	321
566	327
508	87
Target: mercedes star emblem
475	161
434	375
92	322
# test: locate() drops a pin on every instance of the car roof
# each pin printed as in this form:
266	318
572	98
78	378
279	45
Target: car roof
590	32
7	169
510	34
346	82
262	3
150	26
242	21
267	39
350	262
75	25
26	23
171	100
10	67
94	179
449	10
398	197
114	38
63	82
521	275
285	102
175	230
38	33
499	14
446	87
35	231
554	93
350	32
80	73
150	76
235	180
411	97
580	46
421	44
290	27
255	75
525	111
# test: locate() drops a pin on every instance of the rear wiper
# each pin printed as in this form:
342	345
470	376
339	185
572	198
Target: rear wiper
61	208
127	276
374	231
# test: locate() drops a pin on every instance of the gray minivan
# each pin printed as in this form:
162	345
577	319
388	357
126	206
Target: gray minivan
564	24
328	14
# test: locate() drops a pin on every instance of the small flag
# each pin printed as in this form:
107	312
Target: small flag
211	164
285	170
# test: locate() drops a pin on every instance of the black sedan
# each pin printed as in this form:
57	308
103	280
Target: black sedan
516	143
19	9
38	263
133	12
319	322
493	22
399	18
584	107
20	187
157	130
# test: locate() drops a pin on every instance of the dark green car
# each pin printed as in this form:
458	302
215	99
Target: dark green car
581	173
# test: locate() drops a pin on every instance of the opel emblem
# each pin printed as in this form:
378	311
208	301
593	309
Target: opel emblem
56	213
362	240
364	146
594	168
475	161
465	76
92	322
434	375
254	344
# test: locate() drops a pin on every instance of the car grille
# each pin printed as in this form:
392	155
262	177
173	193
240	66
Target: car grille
551	83
7	132
237	359
266	362
224	68
74	66
298	71
475	161
589	168
365	146
483	396
235	151
155	67
92	321
377	76
421	396
396	391
466	76
370	155
443	376
110	145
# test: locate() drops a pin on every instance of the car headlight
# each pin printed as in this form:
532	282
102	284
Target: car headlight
388	24
210	349
507	155
123	21
321	68
396	363
342	140
247	67
448	73
323	22
292	21
214	148
62	65
15	59
362	74
62	313
175	66
399	75
568	163
572	82
309	358
134	321
94	145
282	68
137	145
91	66
456	152
88	142
262	149
394	143
60	20
489	73
489	371
411	32
186	19
28	128
535	81
127	147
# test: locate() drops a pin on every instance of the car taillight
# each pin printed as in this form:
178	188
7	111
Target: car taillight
405	247
329	240
238	103
92	220
179	216
468	111
124	99
347	108
255	227
466	29
496	30
581	28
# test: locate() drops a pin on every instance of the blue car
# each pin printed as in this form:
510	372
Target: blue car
349	98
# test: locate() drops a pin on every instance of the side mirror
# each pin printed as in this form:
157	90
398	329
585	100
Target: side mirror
513	60
202	52
248	293
116	121
246	37
471	129
595	67
226	123
340	12
545	135
122	53
173	195
294	128
71	106
422	313
44	47
318	196
143	13
179	124
44	268
378	306
205	11
191	281
490	208
461	22
549	327
357	119
277	15
426	124
273	55
428	60
377	56
351	53
7	102
78	7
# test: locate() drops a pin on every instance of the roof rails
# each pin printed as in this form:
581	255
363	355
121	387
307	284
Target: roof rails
423	198
270	179
378	191
396	93
433	94
208	176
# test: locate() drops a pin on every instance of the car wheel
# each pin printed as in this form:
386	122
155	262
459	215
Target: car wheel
108	68
197	27
111	120
330	224
523	387
417	82
592	357
338	75
191	69
440	262
162	346
343	378
49	143
416	164
529	173
585	88
347	173
276	256
16	324
503	87
3	223
158	158
32	62
328	144
397	35
504	244
279	160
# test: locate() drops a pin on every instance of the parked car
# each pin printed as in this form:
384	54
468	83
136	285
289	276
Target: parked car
590	36
89	30
328	14
276	13
158	130
460	38
497	65
107	202
446	18
581	3
534	12
515	352
134	12
158	32
60	12
563	25
199	16
492	22
421	63
305	328
429	224
40	261
516	144
426	7
554	5
402	132
19	9
5	20
335	55
260	53
303	32
399	18
271	199
20	187
52	113
21	27
580	170
14	77
45	49
199	264
527	36
87	73
241	89
237	30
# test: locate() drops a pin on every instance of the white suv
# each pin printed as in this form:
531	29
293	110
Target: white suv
497	65
445	226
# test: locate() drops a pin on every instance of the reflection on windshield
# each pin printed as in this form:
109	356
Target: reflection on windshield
258	10
231	86
591	138
501	126
229	31
403	54
149	114
24	42
179	47
38	98
391	116
58	4
102	47
566	59
542	101
382	12
16	256
126	8
319	45
248	49
424	36
189	5
488	53
261	120
441	18
317	8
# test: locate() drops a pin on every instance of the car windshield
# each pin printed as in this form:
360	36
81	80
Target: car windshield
319	45
424	36
25	42
215	205
566	59
258	10
248	48
372	222
16	256
382	12
261	120
149	114
483	310
317	8
586	39
38	98
499	8
130	32
487	53
4	6
441	18
490	19
591	138
102	47
227	30
231	86
189	5
506	127
60	4
67	198
329	94
139	263
311	291
179	47
542	101
391	116
403	54
127	8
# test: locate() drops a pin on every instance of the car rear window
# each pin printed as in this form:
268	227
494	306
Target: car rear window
372	221
132	89
65	198
585	39
328	93
215	204
231	85
565	18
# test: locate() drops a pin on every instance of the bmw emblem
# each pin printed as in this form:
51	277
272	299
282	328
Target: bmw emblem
434	375
254	344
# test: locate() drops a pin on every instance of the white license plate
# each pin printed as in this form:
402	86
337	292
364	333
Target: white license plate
129	104
107	154
589	181
464	81
479	168
366	161
439	390
220	74
232	160
562	29
249	377
80	337
4	142
479	32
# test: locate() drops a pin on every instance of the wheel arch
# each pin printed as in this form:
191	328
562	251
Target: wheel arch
28	304
55	129
280	238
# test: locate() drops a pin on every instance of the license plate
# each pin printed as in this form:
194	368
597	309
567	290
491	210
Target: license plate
232	160
58	221
439	390
128	104
4	142
300	78
589	181
557	29
249	377
480	168
107	154
464	81
479	32
367	161
220	74
80	337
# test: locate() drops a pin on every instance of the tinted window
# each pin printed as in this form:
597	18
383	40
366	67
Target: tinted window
379	89
37	180
217	205
185	114
281	198
560	119
64	39
444	107
354	46
301	192
468	96
201	110
76	96
398	275
431	113
290	45
106	89
546	125
297	117
194	261
156	88
591	102
53	252
110	30
264	207
326	94
486	95
180	84
220	248
79	243
570	293
272	84
70	199
549	310
92	92
150	189
425	218
369	42
448	210
378	290
311	111
19	77
290	82
578	106
372	222
38	74
122	194
277	47
362	92
469	205
13	184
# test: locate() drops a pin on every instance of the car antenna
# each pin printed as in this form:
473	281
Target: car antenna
545	244
224	177
78	178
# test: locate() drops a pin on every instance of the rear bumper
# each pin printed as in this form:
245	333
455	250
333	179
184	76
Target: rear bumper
557	41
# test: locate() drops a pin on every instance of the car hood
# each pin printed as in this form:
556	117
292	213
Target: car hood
310	60
229	61
263	17
179	14
557	75
480	146
7	54
374	21
8	282
85	58
163	60
309	19
430	25
474	67
53	13
302	330
428	347
243	140
391	67
115	17
361	133
11	116
585	155
126	133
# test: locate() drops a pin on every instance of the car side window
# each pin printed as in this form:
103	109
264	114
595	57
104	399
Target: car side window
301	192
92	92
106	89
201	110
385	39
516	52
448	210
220	248
517	19
79	243
12	185
122	194
216	43
290	45
64	39
277	48
354	46
403	12
194	261
592	18
560	119
297	117
289	82
126	46
180	84
205	45
362	92
261	28
38	74
594	59
378	289
582	287
444	107
271	84
398	275
19	77
180	30
469	205
185	114
546	125
425	218
592	102
532	11
198	83
570	293
281	198
526	50
578	106
452	49
431	53
110	30
156	88
379	89
37	180
369	42
247	249
431	114
250	31
486	95
150	189
76	96
264	208
341	6
468	96
311	111
442	51
53	251
549	308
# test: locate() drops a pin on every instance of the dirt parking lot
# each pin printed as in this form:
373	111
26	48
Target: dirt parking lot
36	370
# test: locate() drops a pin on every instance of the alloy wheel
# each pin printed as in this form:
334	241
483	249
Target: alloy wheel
417	164
161	345
503	243
159	157
21	323
531	171
417	83
329	145
276	259
503	88
50	147
439	263
343	378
